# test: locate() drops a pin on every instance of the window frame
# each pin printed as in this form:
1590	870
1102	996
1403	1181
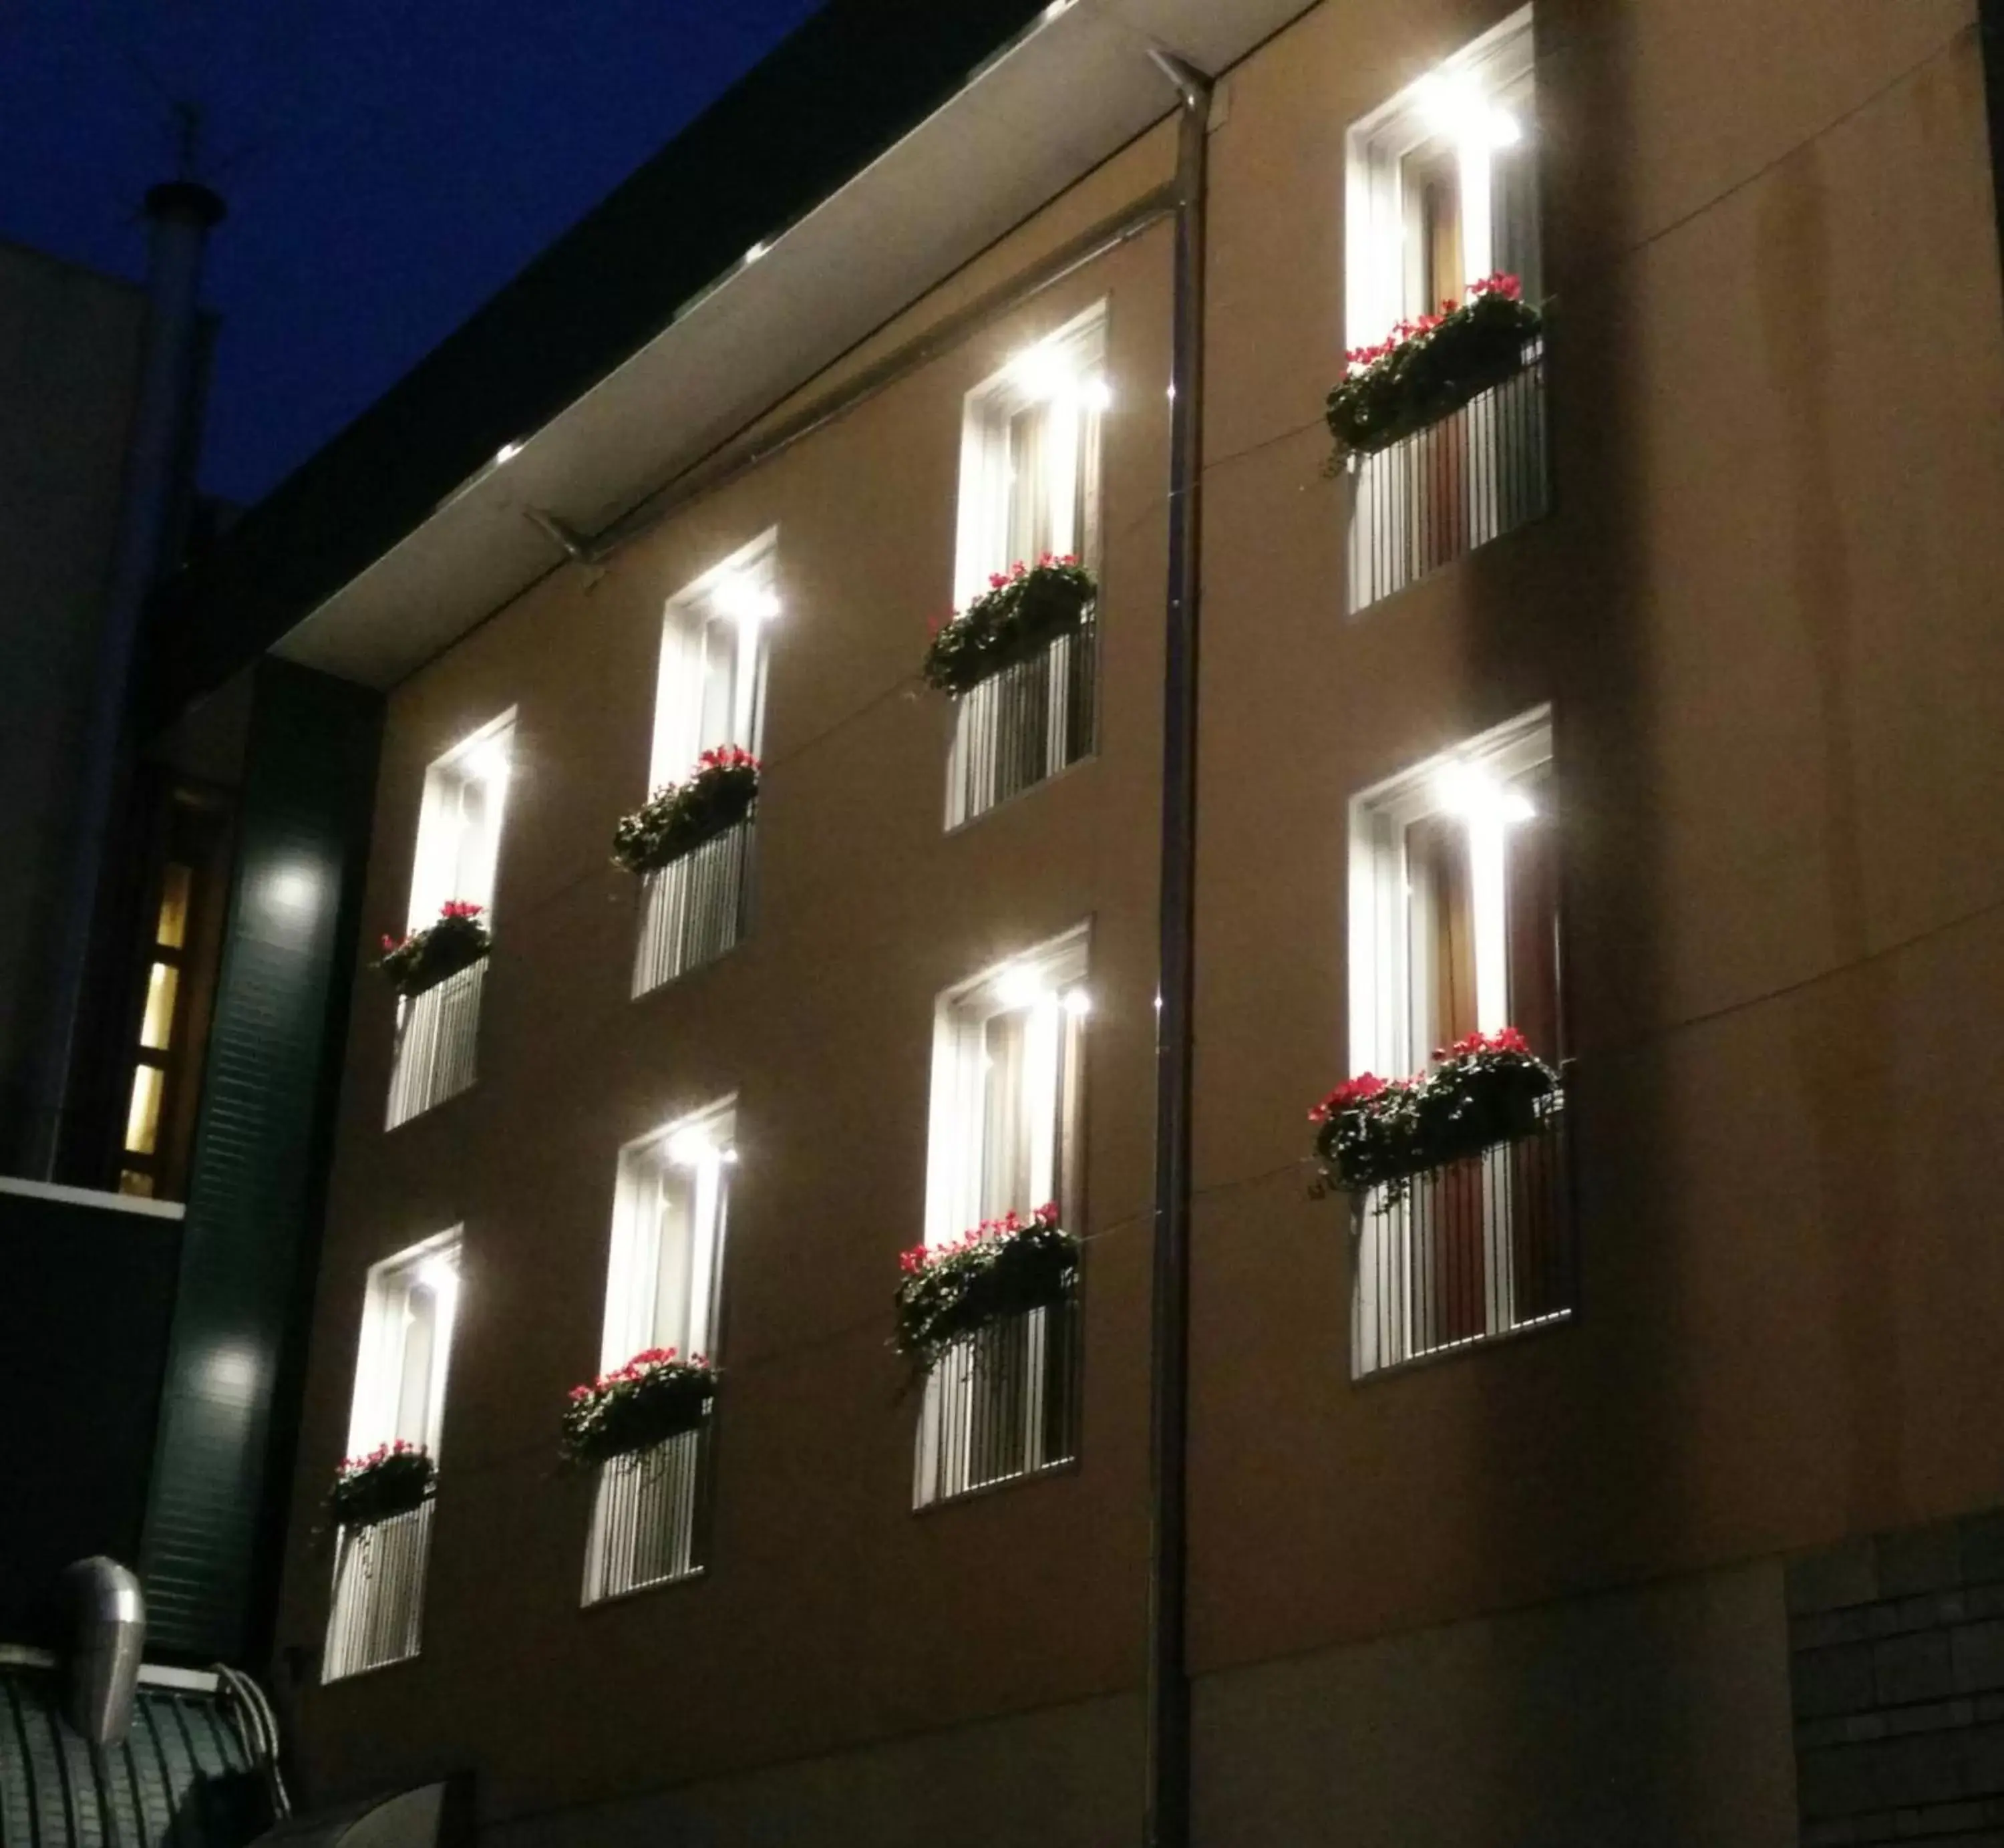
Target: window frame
382	1354
957	1144
1379	287
677	739
634	1251
1383	993
486	757
987	515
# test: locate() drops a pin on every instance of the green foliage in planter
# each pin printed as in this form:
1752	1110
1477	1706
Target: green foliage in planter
1018	613
675	820
1002	1268
655	1396
1374	1132
1428	368
392	1479
426	958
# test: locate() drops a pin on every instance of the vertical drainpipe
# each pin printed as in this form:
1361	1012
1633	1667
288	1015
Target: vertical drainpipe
158	450
1169	1746
1990	37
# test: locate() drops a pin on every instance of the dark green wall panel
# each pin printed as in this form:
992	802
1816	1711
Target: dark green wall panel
255	1191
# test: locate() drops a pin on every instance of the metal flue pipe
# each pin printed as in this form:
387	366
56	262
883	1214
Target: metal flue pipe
159	449
1169	1743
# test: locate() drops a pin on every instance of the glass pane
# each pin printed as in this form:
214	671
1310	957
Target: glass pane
1441	944
1005	1128
717	695
414	1384
1029	487
171	932
143	1117
156	1029
677	1237
131	1181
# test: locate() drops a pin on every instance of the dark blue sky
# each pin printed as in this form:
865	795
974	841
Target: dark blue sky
389	164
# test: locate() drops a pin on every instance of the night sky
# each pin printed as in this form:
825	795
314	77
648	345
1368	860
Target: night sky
388	167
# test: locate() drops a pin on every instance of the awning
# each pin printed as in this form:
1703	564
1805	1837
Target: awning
415	1818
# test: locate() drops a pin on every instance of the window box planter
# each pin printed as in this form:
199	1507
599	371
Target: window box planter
1426	369
677	819
1003	1267
654	1396
1021	612
426	958
1373	1133
393	1479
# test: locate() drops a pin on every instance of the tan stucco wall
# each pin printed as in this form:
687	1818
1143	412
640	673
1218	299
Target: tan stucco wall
69	354
1655	1718
826	1590
1761	612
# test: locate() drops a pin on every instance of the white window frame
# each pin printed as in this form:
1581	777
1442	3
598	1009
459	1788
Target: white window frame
455	858
1058	971
742	592
1065	372
1385	990
1486	84
1387	993
697	1152
376	1412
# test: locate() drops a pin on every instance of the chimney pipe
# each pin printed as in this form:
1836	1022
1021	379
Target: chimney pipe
107	1644
159	454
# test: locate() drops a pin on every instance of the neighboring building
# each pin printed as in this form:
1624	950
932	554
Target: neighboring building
1628	1480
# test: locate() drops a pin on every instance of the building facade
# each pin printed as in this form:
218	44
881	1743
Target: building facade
1642	695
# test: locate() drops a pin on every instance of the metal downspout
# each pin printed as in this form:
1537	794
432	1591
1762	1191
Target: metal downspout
1990	40
1168	1748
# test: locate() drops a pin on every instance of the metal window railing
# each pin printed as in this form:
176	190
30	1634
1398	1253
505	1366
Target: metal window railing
999	1403
1022	724
438	1032
1477	473
378	1609
1476	1249
649	1516
693	909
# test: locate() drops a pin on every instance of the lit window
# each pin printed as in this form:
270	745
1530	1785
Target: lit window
459	827
459	845
377	1612
711	693
1008	1067
667	1238
672	1200
1454	931
712	688
1029	485
1443	194
400	1374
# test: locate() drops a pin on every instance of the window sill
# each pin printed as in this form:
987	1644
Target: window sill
954	831
1472	1344
940	1504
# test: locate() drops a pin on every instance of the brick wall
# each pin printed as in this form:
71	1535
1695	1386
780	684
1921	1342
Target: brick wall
1897	1669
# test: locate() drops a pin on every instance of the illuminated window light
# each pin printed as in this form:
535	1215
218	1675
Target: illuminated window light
1452	104
439	1273
745	600
1473	795
692	1148
1078	1004
1021	987
487	761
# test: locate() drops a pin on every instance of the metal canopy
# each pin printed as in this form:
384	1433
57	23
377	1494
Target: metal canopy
1070	94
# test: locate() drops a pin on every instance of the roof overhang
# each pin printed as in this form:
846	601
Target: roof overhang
1069	93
